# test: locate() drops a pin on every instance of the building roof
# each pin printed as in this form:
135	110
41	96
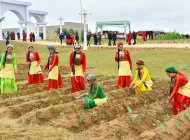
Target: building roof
38	12
16	2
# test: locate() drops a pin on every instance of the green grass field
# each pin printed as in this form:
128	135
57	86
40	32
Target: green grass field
101	60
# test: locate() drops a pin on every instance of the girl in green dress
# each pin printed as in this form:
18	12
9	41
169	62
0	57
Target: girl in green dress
95	96
8	67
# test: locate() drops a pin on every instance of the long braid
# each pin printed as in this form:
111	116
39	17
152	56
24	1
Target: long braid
29	55
49	60
118	57
73	61
172	85
139	74
5	59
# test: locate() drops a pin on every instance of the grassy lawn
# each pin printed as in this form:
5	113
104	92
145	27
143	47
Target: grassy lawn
102	60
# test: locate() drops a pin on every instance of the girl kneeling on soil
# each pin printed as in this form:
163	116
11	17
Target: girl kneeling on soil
142	81
8	67
54	76
95	96
35	73
180	91
124	65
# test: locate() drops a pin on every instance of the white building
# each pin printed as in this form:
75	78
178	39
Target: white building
22	11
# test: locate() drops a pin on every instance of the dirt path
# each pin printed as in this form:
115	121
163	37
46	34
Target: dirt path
169	45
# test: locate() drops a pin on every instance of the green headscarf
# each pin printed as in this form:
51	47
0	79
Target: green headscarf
171	69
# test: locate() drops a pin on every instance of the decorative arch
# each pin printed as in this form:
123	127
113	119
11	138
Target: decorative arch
38	19
18	14
21	10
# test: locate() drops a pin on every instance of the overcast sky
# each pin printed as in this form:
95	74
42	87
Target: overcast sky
165	14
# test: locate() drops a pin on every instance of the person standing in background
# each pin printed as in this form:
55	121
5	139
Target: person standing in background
99	38
95	40
33	37
134	38
88	39
129	38
110	36
114	38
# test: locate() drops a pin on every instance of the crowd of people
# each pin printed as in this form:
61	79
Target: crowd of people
142	82
32	37
13	36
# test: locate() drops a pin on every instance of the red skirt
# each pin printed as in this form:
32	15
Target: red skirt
35	79
124	81
68	41
78	83
181	102
54	84
129	41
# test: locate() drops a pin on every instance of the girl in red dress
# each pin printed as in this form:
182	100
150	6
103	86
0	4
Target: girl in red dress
35	73
78	69
124	61
54	76
180	92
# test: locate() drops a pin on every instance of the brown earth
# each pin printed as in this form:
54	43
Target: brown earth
34	113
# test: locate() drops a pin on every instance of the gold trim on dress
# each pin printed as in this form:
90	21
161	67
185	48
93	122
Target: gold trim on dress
53	74
185	90
8	71
78	71
35	68
124	68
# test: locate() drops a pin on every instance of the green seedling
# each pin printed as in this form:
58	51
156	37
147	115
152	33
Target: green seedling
133	116
94	113
129	109
61	102
154	111
156	123
177	126
62	114
164	128
167	116
143	114
187	115
81	119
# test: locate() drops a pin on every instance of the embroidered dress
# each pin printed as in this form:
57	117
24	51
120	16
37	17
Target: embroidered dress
180	93
96	97
77	66
125	66
54	76
35	73
142	80
8	68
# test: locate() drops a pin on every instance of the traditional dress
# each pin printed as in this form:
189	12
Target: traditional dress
24	36
35	73
180	93
72	39
142	80
96	97
125	66
78	66
54	76
8	65
129	38
68	39
0	71
144	36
